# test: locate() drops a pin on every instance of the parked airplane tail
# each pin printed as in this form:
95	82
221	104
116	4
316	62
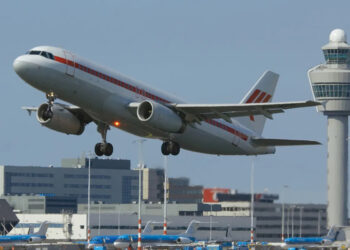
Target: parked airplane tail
261	92
149	227
192	227
332	233
43	228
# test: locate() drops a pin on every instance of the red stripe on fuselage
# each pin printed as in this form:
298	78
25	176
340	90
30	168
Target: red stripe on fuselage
149	95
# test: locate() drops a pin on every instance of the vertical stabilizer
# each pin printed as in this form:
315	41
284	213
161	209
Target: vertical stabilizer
192	227
149	227
261	92
43	228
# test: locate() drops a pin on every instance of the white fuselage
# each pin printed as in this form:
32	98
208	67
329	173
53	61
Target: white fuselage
105	95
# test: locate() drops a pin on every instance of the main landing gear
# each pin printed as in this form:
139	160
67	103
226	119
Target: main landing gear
47	114
170	147
103	148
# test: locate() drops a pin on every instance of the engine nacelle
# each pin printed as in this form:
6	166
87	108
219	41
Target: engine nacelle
61	119
183	240
326	242
35	239
159	116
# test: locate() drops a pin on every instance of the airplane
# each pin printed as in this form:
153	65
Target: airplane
307	242
160	240
32	237
110	99
103	240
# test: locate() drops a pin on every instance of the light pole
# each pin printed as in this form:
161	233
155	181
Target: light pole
140	167
252	202
165	193
89	182
301	219
99	217
292	208
211	220
283	219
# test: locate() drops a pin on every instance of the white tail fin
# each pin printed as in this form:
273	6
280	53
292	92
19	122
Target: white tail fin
149	227
43	228
261	92
192	227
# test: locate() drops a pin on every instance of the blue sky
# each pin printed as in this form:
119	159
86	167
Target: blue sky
202	51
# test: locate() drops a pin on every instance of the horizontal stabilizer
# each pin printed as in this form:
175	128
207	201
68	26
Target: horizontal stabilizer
282	142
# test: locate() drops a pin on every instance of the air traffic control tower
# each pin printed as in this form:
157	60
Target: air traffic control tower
330	85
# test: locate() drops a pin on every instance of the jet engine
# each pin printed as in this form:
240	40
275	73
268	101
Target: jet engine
183	240
326	242
159	116
35	239
60	119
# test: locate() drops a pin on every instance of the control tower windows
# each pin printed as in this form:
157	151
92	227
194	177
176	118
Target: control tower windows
331	90
336	56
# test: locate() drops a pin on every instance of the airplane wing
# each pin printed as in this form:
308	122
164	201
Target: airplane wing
282	142
200	112
77	111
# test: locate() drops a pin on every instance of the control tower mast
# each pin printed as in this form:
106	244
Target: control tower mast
330	84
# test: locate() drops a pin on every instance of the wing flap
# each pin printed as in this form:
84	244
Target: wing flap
282	142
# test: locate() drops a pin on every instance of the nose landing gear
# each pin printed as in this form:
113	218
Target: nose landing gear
170	147
103	148
47	114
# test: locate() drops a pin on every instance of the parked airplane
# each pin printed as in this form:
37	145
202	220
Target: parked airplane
161	240
109	98
104	240
298	242
38	236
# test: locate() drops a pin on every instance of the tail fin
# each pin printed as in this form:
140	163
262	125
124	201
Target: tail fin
192	227
149	227
332	233
261	92
43	228
228	234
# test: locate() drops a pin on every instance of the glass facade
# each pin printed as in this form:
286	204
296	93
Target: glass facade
336	56
333	90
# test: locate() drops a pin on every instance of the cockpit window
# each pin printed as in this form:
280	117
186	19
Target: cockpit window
42	53
34	52
50	56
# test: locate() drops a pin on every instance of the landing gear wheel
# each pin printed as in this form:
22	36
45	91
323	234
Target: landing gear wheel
103	148
108	149
170	148
98	150
175	150
164	148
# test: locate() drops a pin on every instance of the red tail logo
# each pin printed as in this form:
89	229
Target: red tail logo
258	97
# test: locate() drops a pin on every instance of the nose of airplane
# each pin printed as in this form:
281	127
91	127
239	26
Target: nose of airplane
20	66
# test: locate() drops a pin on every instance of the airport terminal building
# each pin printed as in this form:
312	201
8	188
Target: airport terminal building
62	192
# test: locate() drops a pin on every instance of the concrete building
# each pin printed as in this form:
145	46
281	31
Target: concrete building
152	184
39	204
180	191
330	84
299	219
112	181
